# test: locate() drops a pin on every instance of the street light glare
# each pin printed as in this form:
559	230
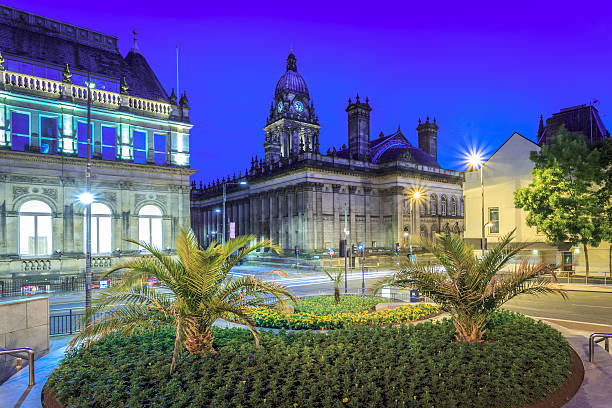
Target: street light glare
416	195
217	210
475	159
86	198
243	183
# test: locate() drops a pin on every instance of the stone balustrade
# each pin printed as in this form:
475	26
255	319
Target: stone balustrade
99	97
28	265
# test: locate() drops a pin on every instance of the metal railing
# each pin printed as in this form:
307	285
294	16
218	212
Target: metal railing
602	337
30	352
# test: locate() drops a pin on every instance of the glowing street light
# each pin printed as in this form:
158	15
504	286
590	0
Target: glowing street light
86	198
475	161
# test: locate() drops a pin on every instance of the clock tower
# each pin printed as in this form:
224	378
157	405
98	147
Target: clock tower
292	126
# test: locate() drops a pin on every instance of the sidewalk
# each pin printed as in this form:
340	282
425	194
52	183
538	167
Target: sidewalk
594	392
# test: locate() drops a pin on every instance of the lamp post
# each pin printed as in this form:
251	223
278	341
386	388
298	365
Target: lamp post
360	248
475	160
345	249
416	196
241	183
87	199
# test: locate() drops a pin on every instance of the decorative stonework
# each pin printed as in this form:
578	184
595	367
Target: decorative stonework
50	192
19	191
110	196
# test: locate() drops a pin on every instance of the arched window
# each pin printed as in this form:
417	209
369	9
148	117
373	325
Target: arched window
423	209
433	204
35	229
443	206
101	230
453	206
150	226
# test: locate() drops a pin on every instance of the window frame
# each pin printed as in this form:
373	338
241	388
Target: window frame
496	223
102	145
150	219
146	144
36	216
28	135
95	218
41	139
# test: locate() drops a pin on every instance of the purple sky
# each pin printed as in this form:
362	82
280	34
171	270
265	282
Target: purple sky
483	71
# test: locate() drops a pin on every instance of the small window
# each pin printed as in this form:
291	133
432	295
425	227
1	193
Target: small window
20	131
140	147
433	203
48	135
82	139
109	143
494	220
159	142
101	230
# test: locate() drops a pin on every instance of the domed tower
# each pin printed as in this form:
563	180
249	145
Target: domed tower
292	126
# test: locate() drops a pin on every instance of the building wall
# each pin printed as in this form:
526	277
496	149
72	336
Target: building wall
508	169
305	207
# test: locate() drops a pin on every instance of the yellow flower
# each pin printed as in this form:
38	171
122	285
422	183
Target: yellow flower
344	399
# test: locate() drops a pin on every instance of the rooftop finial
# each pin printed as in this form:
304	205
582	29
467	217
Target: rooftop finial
135	47
1	62
291	62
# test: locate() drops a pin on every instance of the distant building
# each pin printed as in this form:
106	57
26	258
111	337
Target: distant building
583	119
140	150
504	172
297	196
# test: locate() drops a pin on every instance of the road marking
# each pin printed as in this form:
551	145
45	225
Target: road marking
568	321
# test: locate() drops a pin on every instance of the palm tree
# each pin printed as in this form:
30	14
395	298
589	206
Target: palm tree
196	289
471	289
336	279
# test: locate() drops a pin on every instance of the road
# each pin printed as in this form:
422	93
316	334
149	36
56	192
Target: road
589	307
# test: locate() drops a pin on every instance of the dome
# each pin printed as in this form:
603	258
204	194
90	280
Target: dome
291	81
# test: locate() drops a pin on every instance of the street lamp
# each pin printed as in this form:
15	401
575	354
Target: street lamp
416	196
86	198
475	161
346	232
225	184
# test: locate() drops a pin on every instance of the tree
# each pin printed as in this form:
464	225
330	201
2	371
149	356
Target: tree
336	279
605	192
561	201
469	288
196	289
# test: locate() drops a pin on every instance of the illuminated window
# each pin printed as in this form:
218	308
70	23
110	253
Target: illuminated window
20	131
109	143
453	206
82	139
150	226
443	206
101	229
48	135
159	142
494	220
35	229
139	144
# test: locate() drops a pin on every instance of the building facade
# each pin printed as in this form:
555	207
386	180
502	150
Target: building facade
139	147
504	172
297	196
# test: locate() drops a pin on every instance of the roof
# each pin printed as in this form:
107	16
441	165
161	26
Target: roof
291	81
582	118
54	43
397	147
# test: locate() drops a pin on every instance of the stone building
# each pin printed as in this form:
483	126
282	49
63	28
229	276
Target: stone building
297	196
140	150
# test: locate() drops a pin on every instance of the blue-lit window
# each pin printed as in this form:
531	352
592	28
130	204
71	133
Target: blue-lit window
109	143
20	131
159	142
140	147
82	139
48	135
103	84
31	69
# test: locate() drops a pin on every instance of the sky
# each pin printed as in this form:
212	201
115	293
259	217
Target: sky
483	69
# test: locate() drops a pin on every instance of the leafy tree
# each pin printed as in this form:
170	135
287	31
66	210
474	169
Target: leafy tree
561	201
605	191
196	289
469	288
336	279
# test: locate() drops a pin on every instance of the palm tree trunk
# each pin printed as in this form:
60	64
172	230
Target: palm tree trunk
177	343
336	294
586	260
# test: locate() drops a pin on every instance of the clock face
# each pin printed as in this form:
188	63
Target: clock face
299	106
279	107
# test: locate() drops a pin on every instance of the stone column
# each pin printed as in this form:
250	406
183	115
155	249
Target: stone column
96	139
397	228
35	133
310	235
338	213
290	222
150	147
367	198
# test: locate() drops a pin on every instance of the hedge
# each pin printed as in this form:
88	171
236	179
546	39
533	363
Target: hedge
405	366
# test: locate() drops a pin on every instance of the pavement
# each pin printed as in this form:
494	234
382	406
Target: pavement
595	391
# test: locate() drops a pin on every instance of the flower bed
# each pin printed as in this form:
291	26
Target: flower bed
406	366
297	321
324	305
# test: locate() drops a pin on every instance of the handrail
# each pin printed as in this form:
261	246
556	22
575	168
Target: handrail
592	341
30	358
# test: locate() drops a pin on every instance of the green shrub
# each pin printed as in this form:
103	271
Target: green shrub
324	305
413	366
